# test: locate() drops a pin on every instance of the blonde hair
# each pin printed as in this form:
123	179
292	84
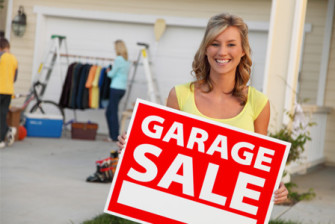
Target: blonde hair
201	67
121	49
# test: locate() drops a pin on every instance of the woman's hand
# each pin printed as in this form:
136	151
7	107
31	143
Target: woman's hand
122	139
280	194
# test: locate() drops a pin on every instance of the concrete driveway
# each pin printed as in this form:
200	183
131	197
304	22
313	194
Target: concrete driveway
42	180
319	210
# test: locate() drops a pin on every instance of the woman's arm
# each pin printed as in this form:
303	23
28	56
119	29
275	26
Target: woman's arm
261	126
111	73
262	121
172	100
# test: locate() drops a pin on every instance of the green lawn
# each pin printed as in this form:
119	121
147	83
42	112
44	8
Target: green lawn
282	222
109	219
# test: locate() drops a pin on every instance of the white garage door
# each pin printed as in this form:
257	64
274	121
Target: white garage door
172	60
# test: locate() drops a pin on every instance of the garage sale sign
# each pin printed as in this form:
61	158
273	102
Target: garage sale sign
179	168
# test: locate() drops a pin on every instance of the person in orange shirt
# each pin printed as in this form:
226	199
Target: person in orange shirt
8	74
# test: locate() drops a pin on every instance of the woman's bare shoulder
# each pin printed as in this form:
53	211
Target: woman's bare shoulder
172	100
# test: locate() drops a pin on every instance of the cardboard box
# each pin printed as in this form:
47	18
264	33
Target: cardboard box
41	125
86	131
13	119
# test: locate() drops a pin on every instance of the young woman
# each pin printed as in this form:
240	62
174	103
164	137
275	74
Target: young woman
222	68
119	76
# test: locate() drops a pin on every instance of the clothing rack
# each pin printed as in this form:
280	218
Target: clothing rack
87	57
101	59
90	57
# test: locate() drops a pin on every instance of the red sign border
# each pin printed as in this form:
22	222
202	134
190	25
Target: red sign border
141	101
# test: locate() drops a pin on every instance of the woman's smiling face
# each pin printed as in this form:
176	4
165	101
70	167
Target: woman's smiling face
225	52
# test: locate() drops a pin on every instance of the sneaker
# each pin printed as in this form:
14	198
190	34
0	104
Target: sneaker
2	144
11	135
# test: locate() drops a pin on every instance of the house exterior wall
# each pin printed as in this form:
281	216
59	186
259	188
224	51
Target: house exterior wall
258	10
3	15
23	47
310	70
330	102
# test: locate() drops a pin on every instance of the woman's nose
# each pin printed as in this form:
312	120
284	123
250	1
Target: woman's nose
222	50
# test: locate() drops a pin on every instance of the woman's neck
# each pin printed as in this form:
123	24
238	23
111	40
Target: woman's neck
5	50
223	83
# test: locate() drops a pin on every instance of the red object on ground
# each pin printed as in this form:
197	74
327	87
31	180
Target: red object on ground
22	132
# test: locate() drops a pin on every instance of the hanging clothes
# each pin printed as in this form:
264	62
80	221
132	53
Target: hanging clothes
95	89
104	86
82	88
89	82
64	99
85	86
74	87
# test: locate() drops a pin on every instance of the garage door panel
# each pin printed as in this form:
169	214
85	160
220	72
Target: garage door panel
96	38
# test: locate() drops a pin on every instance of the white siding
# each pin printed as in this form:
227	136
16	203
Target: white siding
309	76
3	15
330	102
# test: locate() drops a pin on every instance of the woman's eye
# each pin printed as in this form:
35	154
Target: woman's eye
215	44
231	45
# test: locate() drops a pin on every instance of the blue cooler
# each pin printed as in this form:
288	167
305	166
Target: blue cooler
42	125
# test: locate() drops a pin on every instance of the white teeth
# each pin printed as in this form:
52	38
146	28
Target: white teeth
222	61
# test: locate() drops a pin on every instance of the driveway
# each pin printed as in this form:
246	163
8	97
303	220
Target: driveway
42	180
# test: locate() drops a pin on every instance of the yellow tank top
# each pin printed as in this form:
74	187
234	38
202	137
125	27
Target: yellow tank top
245	119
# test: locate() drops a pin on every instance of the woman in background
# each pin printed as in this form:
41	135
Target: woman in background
119	76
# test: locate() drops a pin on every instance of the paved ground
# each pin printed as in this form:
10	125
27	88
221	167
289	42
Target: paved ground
320	210
42	180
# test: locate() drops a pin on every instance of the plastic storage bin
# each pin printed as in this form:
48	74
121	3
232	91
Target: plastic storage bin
41	125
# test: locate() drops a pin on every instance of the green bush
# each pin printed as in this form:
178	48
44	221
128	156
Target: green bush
295	196
297	141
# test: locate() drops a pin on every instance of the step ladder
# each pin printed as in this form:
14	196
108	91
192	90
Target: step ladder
152	85
153	90
51	57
